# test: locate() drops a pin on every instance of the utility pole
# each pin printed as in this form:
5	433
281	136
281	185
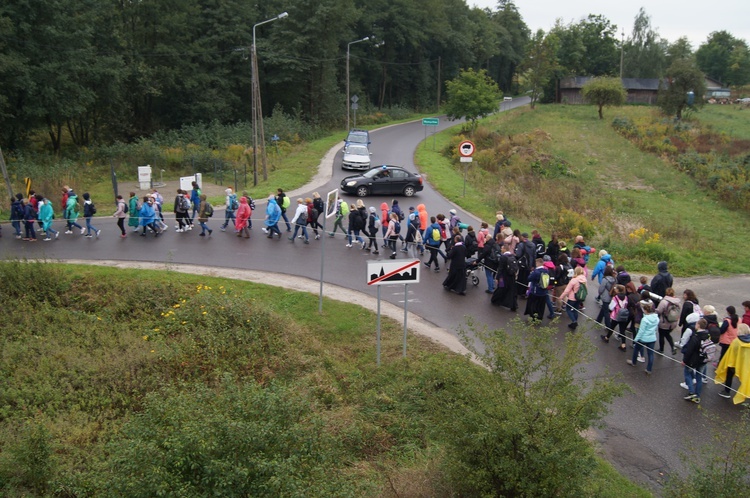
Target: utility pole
622	52
440	62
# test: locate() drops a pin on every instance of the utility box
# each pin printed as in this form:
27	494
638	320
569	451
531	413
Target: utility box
186	182
144	177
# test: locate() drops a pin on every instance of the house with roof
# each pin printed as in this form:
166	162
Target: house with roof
716	90
639	90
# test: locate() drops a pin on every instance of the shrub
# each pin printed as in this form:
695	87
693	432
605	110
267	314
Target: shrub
27	462
570	223
524	439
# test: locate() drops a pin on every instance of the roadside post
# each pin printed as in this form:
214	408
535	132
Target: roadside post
392	273
331	200
466	150
426	122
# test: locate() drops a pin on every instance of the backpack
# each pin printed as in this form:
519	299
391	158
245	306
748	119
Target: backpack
707	351
314	213
209	210
234	204
621	313
544	280
251	202
513	265
582	292
185	203
495	254
93	209
286	202
376	222
138	204
125	207
344	207
672	313
714	332
563	274
397	228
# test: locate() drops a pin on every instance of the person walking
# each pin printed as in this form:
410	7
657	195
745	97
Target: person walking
147	216
273	215
645	338
373	224
736	362
283	202
342	210
489	257
72	210
89	210
728	330
134	212
433	240
231	206
668	311
181	208
661	281
619	315
356	223
604	296
572	296
456	279
195	200
244	212
300	221
538	281
507	269
204	213
318	209
392	234
121	214
17	213
46	215
694	361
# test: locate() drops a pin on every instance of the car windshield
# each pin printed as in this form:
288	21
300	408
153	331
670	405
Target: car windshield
357	138
357	150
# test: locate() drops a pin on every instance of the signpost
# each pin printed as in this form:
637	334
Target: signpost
330	209
392	273
430	122
466	150
355	106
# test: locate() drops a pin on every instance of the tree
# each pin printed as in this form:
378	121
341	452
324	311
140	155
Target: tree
680	49
682	76
645	51
471	95
540	64
517	429
604	91
598	37
513	36
724	58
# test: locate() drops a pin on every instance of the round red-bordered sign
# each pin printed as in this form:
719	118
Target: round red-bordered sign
466	148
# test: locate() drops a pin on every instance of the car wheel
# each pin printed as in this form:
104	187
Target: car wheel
362	191
409	191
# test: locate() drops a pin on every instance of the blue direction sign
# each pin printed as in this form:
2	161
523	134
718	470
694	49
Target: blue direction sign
430	121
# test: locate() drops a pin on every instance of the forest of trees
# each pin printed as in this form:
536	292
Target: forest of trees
94	71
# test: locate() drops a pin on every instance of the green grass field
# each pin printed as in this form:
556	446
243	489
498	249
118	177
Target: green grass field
606	181
138	383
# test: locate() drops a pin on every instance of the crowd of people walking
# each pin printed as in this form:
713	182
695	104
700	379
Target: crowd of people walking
552	278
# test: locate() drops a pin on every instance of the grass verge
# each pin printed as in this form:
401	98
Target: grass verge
139	383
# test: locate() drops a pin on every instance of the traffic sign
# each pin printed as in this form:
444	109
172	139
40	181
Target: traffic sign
466	148
389	273
430	121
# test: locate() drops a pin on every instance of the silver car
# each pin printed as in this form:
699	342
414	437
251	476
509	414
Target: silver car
356	156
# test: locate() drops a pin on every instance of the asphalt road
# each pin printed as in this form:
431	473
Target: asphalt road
644	433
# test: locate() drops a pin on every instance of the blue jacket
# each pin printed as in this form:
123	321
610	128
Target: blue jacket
195	198
428	235
147	214
273	213
647	330
16	211
534	277
600	266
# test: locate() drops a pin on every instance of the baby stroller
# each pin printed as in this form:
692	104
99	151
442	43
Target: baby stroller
472	267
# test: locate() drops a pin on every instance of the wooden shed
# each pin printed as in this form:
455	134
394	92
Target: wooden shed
640	90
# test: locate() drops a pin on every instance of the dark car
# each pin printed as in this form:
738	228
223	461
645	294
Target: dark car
383	180
358	137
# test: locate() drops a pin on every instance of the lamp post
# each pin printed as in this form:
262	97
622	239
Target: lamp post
622	52
348	46
256	105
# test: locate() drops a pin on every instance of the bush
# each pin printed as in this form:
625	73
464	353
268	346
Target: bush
516	430
27	462
236	440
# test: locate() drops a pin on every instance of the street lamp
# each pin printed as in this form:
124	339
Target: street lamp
256	105
348	46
